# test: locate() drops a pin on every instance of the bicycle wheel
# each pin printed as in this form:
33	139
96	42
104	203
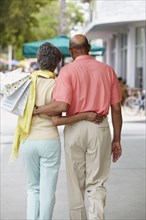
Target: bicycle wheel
131	105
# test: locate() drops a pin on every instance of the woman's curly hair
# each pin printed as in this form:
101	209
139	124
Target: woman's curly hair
48	57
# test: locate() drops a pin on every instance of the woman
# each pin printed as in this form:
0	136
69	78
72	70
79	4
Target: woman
39	138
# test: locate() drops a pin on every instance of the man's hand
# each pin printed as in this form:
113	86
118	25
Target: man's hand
116	150
94	117
88	116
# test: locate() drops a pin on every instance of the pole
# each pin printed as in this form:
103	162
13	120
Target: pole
9	57
62	29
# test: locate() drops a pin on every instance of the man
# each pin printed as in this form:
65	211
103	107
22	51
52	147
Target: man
87	85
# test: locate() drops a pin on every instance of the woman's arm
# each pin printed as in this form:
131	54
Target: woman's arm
88	116
51	109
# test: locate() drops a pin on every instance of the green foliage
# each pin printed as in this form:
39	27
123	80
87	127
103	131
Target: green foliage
48	22
32	20
17	19
75	15
49	19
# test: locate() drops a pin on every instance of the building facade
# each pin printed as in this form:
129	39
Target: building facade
121	24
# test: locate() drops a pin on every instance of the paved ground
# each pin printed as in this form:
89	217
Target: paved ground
126	185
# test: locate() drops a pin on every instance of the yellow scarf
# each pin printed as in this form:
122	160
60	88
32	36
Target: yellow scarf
24	122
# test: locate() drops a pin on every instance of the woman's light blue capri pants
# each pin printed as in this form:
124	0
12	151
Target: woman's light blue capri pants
42	162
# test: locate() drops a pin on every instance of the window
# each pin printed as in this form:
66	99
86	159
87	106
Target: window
140	38
105	53
113	51
123	55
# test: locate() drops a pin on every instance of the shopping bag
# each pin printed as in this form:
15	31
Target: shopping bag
16	102
12	81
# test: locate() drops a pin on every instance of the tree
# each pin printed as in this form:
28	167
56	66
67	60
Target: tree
62	26
17	19
75	15
49	19
25	21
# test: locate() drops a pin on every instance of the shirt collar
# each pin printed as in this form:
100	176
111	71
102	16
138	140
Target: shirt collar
83	57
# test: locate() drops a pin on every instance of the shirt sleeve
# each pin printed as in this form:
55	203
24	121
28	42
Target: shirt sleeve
116	96
63	90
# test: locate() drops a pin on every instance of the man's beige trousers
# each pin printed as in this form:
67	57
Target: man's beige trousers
88	159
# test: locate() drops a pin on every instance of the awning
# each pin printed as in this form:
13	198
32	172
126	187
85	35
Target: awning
61	42
105	28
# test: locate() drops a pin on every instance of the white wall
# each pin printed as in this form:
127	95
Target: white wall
133	12
119	10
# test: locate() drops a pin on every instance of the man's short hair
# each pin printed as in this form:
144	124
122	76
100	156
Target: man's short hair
84	44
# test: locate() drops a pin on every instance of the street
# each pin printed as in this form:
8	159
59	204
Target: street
125	187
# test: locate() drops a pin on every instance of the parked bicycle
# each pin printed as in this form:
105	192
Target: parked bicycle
135	103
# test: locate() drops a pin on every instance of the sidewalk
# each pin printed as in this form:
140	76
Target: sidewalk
140	117
125	187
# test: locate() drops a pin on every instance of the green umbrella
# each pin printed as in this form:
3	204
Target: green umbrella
61	42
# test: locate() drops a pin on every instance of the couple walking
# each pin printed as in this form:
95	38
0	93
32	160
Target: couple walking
85	89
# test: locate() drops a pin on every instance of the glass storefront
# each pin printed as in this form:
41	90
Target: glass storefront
123	56
113	51
140	47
